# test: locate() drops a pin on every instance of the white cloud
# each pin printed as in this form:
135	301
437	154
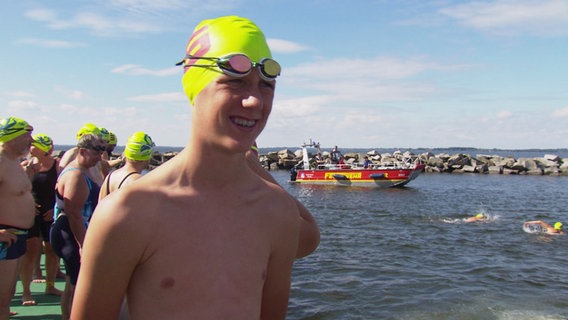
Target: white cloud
51	43
136	70
41	14
20	94
285	46
69	109
99	23
367	81
70	93
161	97
25	106
535	17
503	115
120	112
561	113
123	17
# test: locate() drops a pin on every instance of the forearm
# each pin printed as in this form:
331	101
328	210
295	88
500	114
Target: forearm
77	226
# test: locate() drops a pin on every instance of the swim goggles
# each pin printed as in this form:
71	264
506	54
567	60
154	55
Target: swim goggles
237	65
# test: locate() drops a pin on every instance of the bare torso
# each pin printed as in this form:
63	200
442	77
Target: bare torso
17	206
196	252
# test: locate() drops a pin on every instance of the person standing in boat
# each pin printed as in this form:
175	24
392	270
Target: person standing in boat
195	237
367	163
319	160
335	155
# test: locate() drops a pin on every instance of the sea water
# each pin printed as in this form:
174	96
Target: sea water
407	253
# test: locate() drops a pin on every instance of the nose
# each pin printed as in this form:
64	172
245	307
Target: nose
256	90
252	100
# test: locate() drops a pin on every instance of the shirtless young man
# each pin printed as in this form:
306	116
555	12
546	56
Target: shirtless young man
17	206
202	236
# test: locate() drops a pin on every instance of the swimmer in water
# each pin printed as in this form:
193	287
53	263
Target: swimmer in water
478	217
556	229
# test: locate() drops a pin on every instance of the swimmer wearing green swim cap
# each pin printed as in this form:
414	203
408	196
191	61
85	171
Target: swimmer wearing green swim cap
224	233
88	128
556	229
12	127
42	142
137	153
17	204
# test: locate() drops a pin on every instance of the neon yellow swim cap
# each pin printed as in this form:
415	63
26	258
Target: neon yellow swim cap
105	135
112	138
479	215
42	142
139	147
88	128
217	38
12	127
558	226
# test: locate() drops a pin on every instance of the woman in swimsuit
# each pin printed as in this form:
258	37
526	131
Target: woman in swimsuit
137	154
43	170
76	198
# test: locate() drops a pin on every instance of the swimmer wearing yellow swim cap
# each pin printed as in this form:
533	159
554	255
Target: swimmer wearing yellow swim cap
12	127
88	128
228	45
139	147
477	217
42	142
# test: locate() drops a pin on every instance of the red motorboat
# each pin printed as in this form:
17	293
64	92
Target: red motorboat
394	174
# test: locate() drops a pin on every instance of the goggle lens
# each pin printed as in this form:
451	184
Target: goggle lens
240	65
270	68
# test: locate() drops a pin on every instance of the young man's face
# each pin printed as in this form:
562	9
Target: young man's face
234	110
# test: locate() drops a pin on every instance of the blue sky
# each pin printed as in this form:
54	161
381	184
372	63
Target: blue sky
389	74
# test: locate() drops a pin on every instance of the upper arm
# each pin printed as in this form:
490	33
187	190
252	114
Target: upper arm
309	230
109	257
284	244
75	192
309	238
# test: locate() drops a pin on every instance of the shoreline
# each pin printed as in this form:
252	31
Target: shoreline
553	163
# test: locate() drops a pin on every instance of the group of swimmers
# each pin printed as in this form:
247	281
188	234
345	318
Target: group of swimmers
543	227
210	240
58	196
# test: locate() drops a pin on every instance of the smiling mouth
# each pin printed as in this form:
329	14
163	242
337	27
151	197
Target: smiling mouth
243	122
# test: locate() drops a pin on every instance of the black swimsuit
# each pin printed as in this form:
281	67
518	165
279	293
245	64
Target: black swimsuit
121	182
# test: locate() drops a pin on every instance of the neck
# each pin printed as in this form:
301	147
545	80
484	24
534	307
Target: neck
137	166
214	166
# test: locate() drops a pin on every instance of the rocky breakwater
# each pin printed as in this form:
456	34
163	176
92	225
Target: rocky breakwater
549	164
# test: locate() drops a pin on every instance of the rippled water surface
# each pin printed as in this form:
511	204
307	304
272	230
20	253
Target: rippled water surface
407	253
